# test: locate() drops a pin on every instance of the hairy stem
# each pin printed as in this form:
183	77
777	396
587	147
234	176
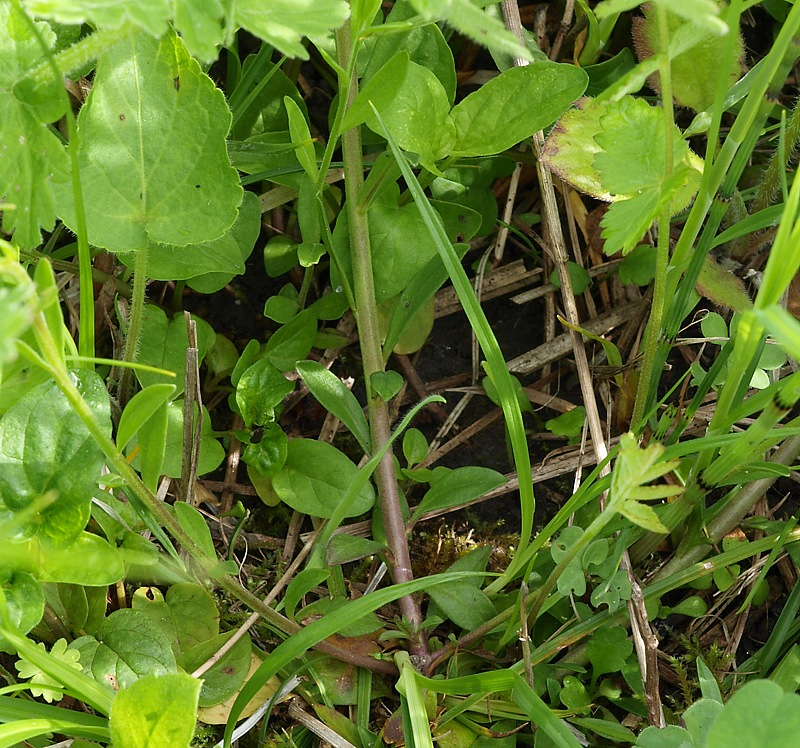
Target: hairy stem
366	313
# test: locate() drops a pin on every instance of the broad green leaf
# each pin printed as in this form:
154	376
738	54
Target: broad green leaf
633	147
211	451
146	177
46	449
759	715
301	138
513	106
151	447
471	21
693	73
150	15
227	675
572	151
33	157
608	651
90	561
418	116
639	265
292	342
268	454
140	408
315	478
425	45
188	614
157	710
282	23
260	390
163	343
626	222
459	486
208	266
722	286
196	527
198	21
24	599
699	717
379	91
336	398
128	645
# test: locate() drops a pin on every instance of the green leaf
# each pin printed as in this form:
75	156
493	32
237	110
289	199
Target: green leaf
195	525
722	286
568	424
386	384
463	603
282	23
714	326
90	561
207	266
301	138
425	45
459	486
301	585
643	515
292	342
608	651
581	280
639	265
344	548
574	147
418	116
759	715
44	448
267	455
380	91
23	597
336	398
33	157
513	106
260	390
140	409
473	22
612	591
633	147
695	71
163	344
156	710
188	614
128	645
147	178
227	675
211	451
315	478
415	446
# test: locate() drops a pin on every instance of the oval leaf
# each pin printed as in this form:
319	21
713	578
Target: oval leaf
316	477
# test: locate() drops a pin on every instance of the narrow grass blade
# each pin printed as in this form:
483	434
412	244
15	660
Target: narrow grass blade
497	369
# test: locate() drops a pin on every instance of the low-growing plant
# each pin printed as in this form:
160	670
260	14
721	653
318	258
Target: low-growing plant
194	157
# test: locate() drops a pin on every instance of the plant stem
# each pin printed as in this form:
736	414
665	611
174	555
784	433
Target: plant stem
366	314
662	253
86	320
134	324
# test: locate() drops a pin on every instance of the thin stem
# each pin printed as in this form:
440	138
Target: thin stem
86	321
366	314
158	509
134	323
662	253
